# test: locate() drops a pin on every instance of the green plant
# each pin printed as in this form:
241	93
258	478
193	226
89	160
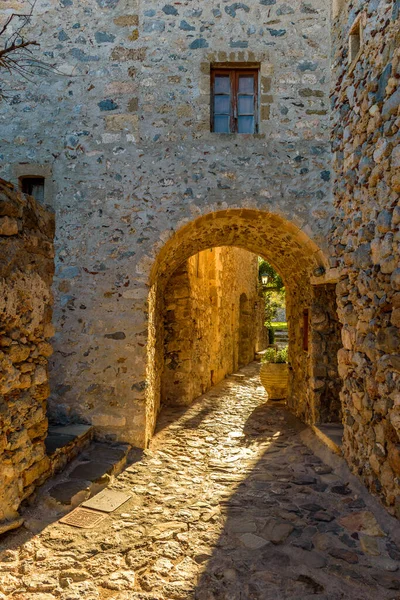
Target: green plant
271	335
282	355
275	281
269	355
276	356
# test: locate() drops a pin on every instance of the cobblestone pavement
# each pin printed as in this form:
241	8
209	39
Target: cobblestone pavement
228	504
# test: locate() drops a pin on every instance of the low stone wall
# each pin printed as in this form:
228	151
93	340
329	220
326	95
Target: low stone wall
366	100
213	321
26	272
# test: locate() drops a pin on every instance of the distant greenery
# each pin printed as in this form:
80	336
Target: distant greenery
276	356
274	295
278	325
274	279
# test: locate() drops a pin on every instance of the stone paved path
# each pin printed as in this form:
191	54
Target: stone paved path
228	504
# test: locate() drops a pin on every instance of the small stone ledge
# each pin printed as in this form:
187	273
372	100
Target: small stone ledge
63	444
330	434
331	276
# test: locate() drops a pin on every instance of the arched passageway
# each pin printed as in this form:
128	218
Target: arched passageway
296	257
213	321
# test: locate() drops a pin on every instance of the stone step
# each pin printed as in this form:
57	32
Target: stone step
331	434
64	443
93	470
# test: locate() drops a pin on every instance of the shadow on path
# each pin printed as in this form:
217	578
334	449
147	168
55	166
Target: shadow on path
227	504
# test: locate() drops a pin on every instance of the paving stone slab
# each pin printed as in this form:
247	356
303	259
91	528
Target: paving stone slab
202	524
64	492
91	470
56	441
107	454
107	500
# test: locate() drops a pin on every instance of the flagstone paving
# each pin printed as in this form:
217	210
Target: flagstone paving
227	504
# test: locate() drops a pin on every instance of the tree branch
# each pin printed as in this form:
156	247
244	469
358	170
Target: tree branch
14	47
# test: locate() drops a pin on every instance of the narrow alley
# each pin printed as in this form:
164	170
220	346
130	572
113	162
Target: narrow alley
227	504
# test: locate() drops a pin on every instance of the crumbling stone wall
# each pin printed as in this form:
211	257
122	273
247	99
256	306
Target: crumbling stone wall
206	323
125	132
365	139
26	272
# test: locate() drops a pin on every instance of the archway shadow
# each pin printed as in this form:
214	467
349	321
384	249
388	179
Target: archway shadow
246	520
272	515
266	548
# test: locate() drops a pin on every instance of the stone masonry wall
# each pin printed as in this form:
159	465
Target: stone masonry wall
26	272
325	343
365	138
212	309
122	131
293	257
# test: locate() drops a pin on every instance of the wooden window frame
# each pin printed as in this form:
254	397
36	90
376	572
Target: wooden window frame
234	72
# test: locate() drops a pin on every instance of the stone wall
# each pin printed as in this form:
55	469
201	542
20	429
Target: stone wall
213	321
125	136
325	343
365	136
291	256
26	272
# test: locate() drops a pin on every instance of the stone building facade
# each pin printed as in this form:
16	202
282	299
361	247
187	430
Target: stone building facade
213	322
140	184
26	272
365	140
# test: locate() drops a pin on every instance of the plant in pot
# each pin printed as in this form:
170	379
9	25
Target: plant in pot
274	373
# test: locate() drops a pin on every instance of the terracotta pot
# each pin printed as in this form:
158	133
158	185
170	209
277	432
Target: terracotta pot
275	377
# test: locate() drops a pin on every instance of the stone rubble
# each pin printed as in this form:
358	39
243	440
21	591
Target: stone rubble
227	504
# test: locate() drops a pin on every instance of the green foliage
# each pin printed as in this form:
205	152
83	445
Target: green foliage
274	293
271	335
269	355
278	325
274	279
282	356
273	301
276	356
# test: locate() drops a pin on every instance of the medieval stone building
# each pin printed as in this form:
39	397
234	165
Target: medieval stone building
169	130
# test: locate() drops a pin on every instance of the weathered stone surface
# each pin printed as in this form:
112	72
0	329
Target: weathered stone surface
180	535
26	270
8	226
205	340
133	162
92	471
142	185
365	238
70	492
363	522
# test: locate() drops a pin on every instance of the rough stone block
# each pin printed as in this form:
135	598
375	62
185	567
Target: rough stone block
8	226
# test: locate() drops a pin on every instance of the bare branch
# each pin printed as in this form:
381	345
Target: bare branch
16	47
16	51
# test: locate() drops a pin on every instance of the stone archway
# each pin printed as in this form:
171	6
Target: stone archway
292	253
